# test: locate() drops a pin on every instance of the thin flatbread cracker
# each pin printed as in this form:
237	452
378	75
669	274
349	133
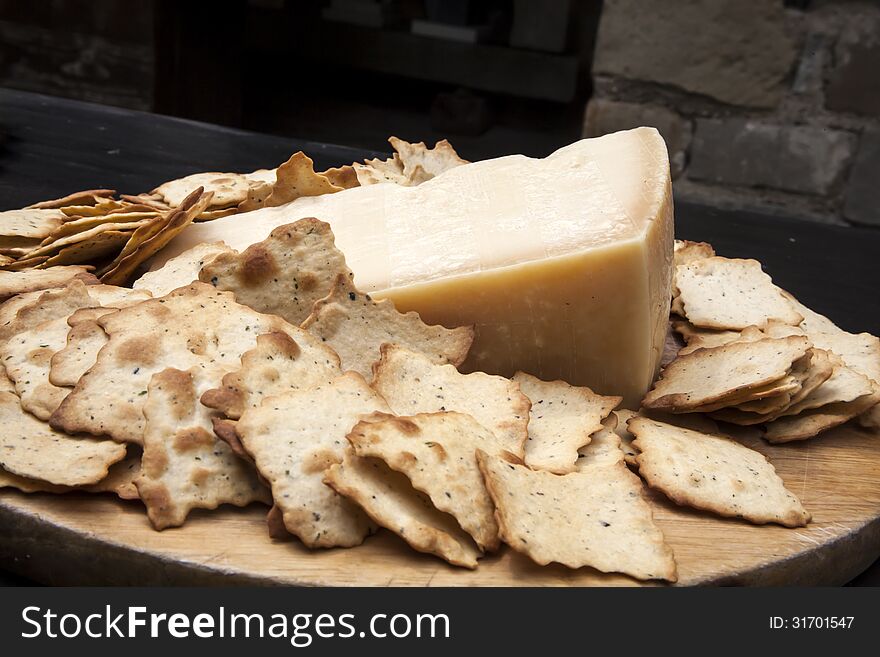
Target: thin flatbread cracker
28	354
180	270
27	359
595	517
32	223
709	375
194	326
697	338
184	465
297	178
437	453
84	340
293	438
12	283
285	274
411	164
808	424
355	326
95	248
390	500
685	251
344	176
229	188
561	420
85	236
85	197
722	293
120	270
605	447
30	448
277	364
411	384
714	474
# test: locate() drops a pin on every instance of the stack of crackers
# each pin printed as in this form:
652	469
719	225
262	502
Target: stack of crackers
114	235
756	356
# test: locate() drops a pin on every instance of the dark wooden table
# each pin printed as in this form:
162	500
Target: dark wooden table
50	147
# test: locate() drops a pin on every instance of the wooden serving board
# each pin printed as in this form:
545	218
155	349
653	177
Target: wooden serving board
97	539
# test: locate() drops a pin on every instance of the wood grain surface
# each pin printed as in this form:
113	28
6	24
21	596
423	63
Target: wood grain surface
79	539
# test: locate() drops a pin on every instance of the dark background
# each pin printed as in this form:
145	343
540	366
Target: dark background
767	105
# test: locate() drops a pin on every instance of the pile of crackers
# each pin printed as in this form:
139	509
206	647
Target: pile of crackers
757	357
268	377
114	235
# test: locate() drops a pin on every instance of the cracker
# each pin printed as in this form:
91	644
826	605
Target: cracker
595	517
180	270
47	305
85	197
153	201
23	263
561	419
30	448
421	163
52	248
605	447
844	385
120	270
293	438
28	354
859	351
390	501
698	338
277	364
80	351
622	415
437	453
74	226
686	252
96	248
18	248
9	308
355	326
343	176
121	477
30	223
26	357
28	485
808	424
714	474
285	274
411	383
709	375
100	208
721	293
375	171
194	326
210	215
411	164
229	188
184	466
12	283
297	178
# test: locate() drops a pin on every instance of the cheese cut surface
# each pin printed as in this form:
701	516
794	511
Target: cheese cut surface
563	264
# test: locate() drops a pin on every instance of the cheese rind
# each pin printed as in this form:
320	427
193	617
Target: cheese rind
563	264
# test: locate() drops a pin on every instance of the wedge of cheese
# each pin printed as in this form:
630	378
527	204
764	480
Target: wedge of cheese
563	264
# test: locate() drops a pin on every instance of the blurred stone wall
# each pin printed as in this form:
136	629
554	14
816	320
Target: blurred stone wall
96	50
764	104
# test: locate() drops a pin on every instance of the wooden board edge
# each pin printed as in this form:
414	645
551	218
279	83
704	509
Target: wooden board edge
56	555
